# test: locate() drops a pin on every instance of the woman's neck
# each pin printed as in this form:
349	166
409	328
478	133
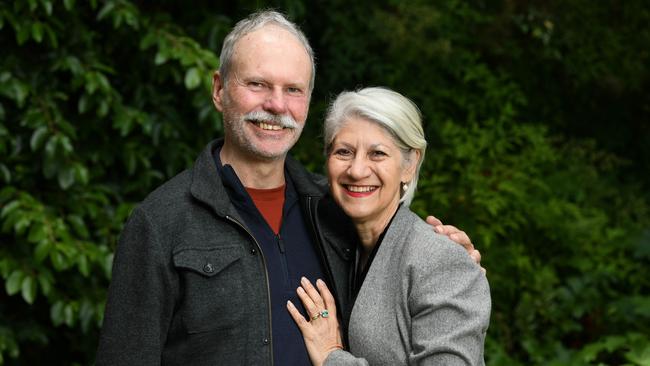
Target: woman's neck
370	230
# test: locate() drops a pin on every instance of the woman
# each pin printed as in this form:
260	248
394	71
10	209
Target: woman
419	297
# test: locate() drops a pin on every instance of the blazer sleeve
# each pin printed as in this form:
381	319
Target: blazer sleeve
344	358
449	305
140	298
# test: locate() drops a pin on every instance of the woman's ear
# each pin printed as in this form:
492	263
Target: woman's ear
411	165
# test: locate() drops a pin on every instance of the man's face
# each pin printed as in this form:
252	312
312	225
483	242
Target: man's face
266	97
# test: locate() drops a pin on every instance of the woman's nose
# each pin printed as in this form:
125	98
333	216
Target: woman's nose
358	168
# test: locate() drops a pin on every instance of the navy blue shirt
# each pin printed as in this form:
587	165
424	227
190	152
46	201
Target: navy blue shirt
289	255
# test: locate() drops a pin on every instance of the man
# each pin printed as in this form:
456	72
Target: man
207	262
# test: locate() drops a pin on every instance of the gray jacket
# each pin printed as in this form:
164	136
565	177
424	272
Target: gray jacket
189	285
423	302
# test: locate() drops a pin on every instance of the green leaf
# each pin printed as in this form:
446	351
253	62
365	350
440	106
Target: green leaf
66	177
36	233
22	34
45	282
58	261
22	224
48	7
107	265
105	10
86	313
38	137
37	31
28	290
82	105
81	173
15	280
50	166
42	250
51	145
79	225
160	59
68	315
68	4
192	78
56	313
66	145
9	208
82	264
6	174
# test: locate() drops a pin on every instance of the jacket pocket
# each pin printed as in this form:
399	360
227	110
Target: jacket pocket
212	285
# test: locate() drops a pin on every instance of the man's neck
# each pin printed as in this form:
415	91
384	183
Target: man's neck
254	173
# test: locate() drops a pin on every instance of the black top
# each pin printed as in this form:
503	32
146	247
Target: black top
360	273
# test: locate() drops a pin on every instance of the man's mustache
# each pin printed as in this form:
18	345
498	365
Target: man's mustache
282	120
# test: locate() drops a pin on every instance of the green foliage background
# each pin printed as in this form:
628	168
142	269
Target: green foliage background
537	115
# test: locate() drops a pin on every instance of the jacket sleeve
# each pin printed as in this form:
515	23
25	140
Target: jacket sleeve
449	306
140	298
344	358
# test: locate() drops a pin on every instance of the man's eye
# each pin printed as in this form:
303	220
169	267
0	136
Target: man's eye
255	85
294	90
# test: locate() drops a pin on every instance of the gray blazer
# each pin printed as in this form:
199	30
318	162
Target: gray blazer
423	302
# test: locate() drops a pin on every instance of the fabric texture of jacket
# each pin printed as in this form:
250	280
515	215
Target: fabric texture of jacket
189	283
423	302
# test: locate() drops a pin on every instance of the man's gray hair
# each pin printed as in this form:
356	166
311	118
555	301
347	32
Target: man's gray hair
395	113
254	22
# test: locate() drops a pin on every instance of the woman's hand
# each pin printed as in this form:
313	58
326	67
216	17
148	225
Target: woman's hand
457	236
322	333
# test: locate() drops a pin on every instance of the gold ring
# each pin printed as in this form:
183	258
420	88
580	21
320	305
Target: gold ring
316	316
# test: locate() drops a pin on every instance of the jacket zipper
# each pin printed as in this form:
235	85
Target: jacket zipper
283	259
266	276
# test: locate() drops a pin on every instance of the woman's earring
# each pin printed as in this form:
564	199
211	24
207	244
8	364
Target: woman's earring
405	187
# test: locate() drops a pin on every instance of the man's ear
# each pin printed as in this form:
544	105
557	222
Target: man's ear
217	91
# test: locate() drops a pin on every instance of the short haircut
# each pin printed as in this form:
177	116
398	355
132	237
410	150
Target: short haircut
254	22
395	113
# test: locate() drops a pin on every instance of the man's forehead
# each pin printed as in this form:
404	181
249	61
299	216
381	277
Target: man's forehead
272	51
269	35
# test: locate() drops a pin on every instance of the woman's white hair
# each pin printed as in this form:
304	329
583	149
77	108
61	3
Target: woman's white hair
254	22
395	113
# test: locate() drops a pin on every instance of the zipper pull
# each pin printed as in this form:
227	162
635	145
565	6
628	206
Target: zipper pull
280	243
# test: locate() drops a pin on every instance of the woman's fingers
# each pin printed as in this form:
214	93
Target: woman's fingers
312	292
307	302
297	317
329	302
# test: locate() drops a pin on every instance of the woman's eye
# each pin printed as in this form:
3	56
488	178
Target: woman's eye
378	154
342	152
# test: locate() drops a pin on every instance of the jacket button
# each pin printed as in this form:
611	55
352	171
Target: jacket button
265	341
253	251
208	268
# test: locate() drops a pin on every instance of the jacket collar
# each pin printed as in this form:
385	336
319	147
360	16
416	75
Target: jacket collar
207	187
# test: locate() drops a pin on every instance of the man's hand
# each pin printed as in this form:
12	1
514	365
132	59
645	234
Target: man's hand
456	235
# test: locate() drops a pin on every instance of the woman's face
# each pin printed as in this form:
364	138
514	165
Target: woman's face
365	170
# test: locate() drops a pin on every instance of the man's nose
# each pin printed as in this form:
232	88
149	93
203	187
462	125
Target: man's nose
275	102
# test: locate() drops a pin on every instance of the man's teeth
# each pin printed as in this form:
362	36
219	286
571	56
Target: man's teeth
361	189
266	126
